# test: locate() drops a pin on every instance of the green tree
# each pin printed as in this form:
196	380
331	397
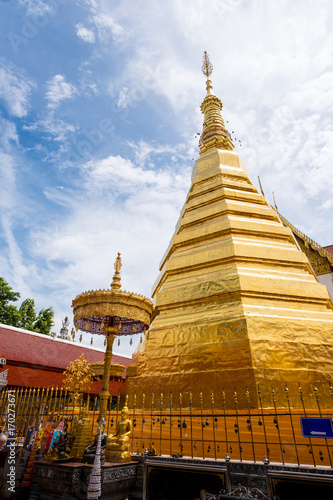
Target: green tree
44	321
25	316
9	314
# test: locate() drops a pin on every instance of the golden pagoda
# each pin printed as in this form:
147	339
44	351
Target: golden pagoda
237	302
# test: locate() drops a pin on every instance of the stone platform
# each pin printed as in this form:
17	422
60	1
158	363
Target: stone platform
69	481
161	478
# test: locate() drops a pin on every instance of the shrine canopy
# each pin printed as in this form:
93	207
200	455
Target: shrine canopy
126	312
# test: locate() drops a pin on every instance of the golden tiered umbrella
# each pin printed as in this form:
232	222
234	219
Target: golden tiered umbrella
112	312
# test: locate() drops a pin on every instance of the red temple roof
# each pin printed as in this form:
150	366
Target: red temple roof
36	360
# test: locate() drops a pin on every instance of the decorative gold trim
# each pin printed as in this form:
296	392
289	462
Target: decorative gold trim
112	303
307	241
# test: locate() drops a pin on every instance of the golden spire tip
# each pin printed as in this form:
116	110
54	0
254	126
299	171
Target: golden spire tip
115	285
207	67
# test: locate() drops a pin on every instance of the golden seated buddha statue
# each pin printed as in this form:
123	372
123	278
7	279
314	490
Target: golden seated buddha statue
118	448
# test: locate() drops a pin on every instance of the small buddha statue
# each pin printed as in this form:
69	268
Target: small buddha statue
90	451
118	449
152	450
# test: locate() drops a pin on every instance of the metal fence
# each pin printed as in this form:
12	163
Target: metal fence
170	425
173	427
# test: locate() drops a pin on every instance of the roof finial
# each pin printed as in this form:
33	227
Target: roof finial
261	189
115	285
207	67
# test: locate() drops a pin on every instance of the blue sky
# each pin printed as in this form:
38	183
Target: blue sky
99	108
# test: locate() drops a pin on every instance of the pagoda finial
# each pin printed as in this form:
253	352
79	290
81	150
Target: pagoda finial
207	67
115	285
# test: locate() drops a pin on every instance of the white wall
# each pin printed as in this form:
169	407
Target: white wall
326	279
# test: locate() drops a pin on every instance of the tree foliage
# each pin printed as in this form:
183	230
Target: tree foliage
24	316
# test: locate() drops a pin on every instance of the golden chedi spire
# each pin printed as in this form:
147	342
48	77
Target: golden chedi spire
214	133
116	285
236	301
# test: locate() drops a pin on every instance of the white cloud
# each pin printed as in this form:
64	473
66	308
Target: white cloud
36	7
15	89
112	211
85	34
107	27
144	150
327	204
122	100
10	209
120	175
8	133
54	128
59	90
7	181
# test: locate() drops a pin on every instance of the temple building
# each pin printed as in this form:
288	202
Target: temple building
36	360
237	301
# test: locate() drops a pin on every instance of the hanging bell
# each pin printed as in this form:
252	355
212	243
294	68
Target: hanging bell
80	338
105	341
87	325
91	340
131	341
118	341
140	340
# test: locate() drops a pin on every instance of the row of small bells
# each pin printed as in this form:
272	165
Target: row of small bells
145	333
